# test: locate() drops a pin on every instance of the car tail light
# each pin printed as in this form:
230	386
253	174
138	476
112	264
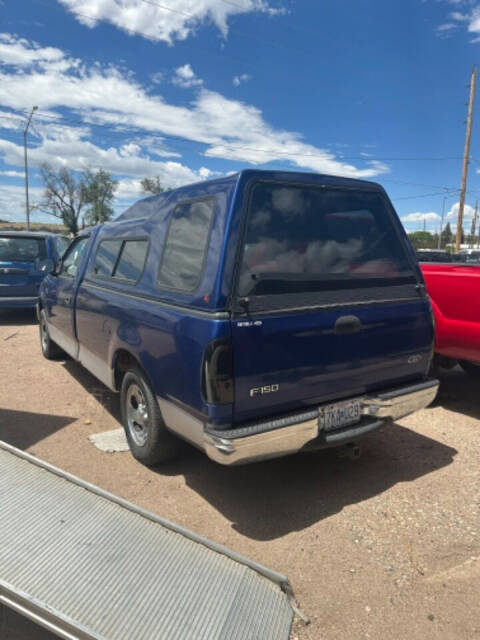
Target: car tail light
217	372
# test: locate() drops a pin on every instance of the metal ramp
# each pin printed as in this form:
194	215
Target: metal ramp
83	563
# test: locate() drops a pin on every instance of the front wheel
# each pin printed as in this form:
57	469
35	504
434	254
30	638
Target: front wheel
50	350
471	368
150	441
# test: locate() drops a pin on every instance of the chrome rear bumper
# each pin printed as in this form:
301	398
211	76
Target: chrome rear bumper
289	434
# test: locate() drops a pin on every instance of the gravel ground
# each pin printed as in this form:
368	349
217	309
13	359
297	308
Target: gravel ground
384	547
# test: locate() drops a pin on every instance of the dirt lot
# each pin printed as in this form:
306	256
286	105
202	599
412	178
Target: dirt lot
384	547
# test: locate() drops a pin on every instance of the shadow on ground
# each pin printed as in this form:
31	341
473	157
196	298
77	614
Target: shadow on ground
15	627
92	385
458	392
22	429
19	317
267	500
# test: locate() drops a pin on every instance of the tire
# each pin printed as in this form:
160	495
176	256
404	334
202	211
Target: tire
471	368
50	350
150	441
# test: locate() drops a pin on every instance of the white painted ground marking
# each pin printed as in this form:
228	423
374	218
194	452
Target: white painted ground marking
110	441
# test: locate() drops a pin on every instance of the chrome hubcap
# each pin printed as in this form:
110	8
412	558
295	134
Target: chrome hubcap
137	415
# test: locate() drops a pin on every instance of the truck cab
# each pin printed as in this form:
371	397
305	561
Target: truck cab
254	315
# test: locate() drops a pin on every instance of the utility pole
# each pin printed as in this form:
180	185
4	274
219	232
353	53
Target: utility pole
466	155
441	223
25	131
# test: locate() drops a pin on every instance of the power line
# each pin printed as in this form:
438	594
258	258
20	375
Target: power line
421	195
114	133
234	147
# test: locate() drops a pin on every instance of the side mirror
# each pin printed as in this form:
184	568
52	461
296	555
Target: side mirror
56	268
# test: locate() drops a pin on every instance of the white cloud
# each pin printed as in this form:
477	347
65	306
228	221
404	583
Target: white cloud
12	174
468	211
471	19
12	203
420	217
185	77
158	77
227	129
21	52
237	80
80	154
168	20
446	28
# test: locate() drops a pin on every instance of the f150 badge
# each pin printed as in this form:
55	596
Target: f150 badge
260	391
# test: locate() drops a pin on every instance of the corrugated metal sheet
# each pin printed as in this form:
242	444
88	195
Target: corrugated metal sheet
81	559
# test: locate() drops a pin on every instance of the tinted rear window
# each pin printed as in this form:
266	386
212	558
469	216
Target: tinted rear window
186	244
303	238
22	248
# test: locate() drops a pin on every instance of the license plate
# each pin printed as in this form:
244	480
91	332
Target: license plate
340	414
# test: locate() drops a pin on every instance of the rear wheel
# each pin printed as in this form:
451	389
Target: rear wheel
50	350
150	441
471	368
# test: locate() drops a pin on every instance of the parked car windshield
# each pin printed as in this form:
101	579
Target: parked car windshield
303	238
22	248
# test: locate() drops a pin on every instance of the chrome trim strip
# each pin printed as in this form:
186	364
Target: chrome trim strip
384	407
19	299
217	315
42	615
181	422
97	367
67	343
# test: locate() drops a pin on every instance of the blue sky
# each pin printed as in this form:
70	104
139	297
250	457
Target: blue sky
189	89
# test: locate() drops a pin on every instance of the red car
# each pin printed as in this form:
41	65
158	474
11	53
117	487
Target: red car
454	290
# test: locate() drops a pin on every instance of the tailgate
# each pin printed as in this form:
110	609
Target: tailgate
285	362
19	279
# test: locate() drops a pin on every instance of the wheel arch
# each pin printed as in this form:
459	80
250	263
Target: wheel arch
124	360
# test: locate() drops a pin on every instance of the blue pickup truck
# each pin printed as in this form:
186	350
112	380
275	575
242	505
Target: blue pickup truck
254	316
26	257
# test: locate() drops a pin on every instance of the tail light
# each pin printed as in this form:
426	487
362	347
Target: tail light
217	372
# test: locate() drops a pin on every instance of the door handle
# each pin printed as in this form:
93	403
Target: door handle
347	324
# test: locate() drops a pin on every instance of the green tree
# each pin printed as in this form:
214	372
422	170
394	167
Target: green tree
422	240
99	192
152	185
447	235
64	195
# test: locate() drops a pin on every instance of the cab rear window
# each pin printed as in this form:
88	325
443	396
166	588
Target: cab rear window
121	259
22	248
305	238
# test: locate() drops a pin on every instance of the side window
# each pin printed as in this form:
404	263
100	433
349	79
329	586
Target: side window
132	260
186	244
106	257
72	257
